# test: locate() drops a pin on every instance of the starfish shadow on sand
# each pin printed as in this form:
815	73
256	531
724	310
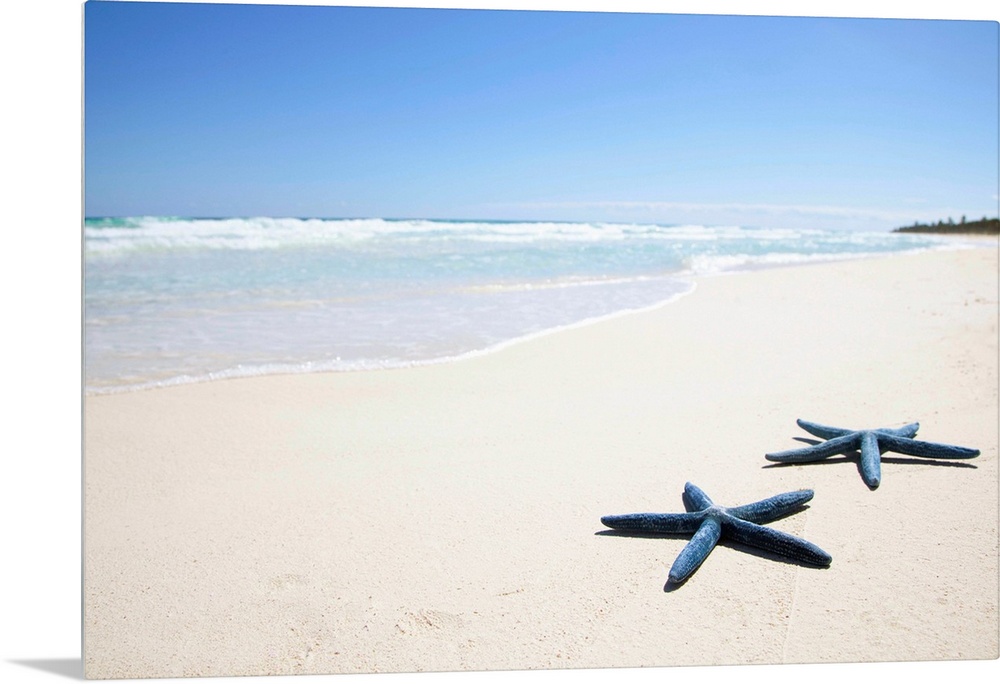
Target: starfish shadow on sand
855	458
707	523
867	446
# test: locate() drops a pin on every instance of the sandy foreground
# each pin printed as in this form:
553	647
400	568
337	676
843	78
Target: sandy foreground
446	517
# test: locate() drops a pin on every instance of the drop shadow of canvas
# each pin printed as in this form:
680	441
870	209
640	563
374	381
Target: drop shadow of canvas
65	667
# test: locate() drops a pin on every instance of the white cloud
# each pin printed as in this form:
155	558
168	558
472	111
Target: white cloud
797	210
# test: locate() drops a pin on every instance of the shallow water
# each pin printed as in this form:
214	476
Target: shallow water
170	300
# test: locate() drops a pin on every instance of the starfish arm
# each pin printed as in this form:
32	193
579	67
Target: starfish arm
696	551
772	508
659	523
871	459
695	499
837	445
824	431
775	541
913	447
906	431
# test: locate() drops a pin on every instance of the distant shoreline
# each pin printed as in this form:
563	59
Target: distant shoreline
984	226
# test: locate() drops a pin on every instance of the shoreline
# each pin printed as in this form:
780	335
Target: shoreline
325	366
689	277
445	517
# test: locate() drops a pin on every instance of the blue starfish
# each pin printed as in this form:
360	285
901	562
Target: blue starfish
871	443
707	522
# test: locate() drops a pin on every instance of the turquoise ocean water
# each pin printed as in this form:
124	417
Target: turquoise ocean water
172	300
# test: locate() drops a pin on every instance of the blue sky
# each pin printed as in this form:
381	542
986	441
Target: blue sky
250	110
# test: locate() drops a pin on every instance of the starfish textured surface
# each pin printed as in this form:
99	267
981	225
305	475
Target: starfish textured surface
707	522
872	444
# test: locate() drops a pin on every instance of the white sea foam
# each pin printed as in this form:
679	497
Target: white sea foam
714	264
117	236
704	264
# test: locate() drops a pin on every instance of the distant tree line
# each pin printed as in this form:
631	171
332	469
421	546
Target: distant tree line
990	226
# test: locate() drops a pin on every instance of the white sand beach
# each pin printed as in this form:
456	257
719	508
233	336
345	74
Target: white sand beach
446	517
